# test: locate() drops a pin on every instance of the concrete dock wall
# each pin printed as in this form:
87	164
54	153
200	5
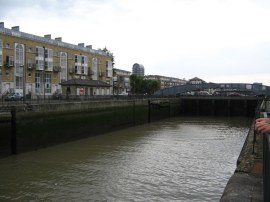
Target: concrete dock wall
246	184
49	124
40	125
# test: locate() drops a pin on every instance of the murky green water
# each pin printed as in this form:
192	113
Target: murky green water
181	159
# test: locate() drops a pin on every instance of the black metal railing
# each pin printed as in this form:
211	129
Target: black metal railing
266	167
71	98
257	115
266	154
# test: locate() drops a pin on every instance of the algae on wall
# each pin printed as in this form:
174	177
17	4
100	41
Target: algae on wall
55	124
5	138
41	130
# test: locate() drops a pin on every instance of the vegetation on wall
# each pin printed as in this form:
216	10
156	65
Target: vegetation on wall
109	53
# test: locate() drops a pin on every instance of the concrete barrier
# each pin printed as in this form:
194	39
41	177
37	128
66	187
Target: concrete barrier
246	184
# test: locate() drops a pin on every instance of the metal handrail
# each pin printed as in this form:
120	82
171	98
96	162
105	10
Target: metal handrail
266	155
266	167
257	115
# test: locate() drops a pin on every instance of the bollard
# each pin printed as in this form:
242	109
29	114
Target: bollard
133	113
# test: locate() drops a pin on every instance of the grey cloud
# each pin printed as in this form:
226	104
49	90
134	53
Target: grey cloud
50	5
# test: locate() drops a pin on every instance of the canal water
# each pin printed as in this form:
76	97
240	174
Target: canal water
179	159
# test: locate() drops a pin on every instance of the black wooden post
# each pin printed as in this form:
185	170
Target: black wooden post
213	108
149	111
197	107
245	108
13	131
169	109
134	121
229	107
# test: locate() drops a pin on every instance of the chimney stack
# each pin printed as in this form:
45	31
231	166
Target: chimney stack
2	25
16	28
58	39
81	44
48	36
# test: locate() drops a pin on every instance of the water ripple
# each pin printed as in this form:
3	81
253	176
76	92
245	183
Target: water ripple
174	160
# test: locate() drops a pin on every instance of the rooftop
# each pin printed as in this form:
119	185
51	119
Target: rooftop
15	31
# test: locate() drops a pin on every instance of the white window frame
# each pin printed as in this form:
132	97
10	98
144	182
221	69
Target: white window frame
109	69
38	83
29	64
11	61
48	59
78	63
84	65
48	83
81	66
95	69
77	69
19	66
1	53
39	58
63	65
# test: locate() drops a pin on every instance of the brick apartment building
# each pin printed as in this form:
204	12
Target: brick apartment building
42	66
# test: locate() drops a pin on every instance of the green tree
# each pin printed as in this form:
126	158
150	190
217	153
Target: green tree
141	86
109	53
153	85
136	83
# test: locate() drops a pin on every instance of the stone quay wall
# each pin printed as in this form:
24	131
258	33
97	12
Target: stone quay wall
42	125
246	184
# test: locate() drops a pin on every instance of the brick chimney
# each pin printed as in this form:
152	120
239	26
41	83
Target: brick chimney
16	28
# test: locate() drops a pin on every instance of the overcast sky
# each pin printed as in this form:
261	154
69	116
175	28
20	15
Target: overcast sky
215	40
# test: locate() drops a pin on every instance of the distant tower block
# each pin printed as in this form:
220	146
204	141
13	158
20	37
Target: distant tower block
138	69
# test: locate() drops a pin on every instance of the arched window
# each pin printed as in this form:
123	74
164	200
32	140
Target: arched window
63	65
94	69
19	67
1	53
109	68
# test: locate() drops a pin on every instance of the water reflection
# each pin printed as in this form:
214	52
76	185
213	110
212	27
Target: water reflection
181	159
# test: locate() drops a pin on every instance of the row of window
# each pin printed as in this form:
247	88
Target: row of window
44	61
47	81
1	53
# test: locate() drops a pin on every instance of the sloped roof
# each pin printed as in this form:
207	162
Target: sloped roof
85	82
